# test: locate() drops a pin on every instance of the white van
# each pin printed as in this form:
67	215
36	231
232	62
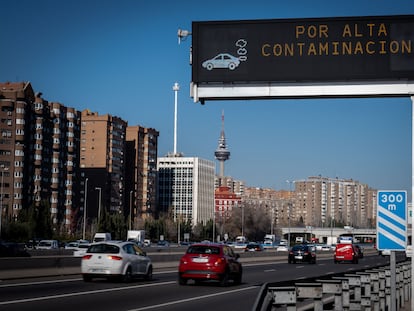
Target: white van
102	236
48	244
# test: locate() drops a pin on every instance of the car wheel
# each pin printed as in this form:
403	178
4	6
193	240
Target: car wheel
148	276
238	278
209	66
181	280
87	278
224	281
127	277
232	66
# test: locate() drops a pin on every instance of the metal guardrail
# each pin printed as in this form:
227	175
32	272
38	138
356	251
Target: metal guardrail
365	290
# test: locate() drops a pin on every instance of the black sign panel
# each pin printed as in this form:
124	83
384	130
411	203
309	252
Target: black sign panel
304	50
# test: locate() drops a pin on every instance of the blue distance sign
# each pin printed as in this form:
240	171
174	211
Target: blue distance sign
391	220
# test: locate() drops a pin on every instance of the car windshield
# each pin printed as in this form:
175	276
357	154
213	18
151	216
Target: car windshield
299	248
103	249
203	250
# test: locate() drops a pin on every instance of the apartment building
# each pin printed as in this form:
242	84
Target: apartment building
141	173
320	201
186	188
236	186
102	165
38	155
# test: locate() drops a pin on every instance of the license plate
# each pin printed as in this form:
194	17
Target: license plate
298	257
97	270
200	260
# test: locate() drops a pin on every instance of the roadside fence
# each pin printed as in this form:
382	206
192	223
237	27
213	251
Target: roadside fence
366	290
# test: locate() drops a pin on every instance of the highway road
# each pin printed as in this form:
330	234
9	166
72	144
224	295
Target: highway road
163	292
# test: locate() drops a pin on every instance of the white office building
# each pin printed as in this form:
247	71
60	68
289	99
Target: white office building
186	188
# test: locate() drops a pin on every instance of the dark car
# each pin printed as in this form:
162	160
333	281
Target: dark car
11	249
302	253
360	251
253	247
210	261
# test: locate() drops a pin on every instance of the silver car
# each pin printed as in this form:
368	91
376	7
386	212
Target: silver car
223	60
115	260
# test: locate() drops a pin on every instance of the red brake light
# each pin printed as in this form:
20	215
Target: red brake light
220	261
86	257
113	257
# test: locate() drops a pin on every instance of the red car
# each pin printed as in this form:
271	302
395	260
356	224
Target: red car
346	252
210	261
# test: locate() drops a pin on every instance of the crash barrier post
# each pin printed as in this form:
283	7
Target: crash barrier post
283	296
346	292
333	287
366	290
355	285
388	287
374	289
381	288
407	281
310	290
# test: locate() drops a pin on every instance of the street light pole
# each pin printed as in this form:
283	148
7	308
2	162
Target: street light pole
1	198
130	209
99	202
176	88
289	206
84	207
242	207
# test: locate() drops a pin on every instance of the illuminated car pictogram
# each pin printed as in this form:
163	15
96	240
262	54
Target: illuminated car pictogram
222	60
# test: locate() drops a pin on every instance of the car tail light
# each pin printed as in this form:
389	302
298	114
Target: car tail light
113	257
86	257
220	261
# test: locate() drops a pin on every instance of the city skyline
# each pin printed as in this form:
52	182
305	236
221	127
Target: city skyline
123	58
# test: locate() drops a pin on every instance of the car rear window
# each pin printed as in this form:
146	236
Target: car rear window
299	248
203	250
103	249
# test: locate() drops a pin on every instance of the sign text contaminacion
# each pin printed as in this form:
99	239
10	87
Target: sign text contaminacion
354	39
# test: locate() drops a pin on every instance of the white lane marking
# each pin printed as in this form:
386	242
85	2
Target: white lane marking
39	282
270	270
84	293
192	299
63	280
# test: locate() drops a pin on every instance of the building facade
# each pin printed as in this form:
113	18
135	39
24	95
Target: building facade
186	188
102	164
141	173
321	200
39	155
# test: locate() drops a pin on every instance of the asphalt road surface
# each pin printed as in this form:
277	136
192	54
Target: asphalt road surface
163	292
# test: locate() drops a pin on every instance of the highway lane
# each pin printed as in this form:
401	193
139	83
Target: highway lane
163	293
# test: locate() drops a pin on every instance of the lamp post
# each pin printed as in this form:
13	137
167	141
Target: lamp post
289	206
1	198
176	88
99	202
84	208
130	209
242	224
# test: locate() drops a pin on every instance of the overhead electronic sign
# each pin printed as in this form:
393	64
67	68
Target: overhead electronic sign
379	48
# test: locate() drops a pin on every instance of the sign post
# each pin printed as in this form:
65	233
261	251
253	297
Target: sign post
392	229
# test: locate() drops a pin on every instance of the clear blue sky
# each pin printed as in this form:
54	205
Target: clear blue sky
122	58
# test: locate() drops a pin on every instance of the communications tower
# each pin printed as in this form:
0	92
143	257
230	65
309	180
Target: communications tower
222	153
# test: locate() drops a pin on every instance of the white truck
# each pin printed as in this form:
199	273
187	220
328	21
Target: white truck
269	241
102	236
137	236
